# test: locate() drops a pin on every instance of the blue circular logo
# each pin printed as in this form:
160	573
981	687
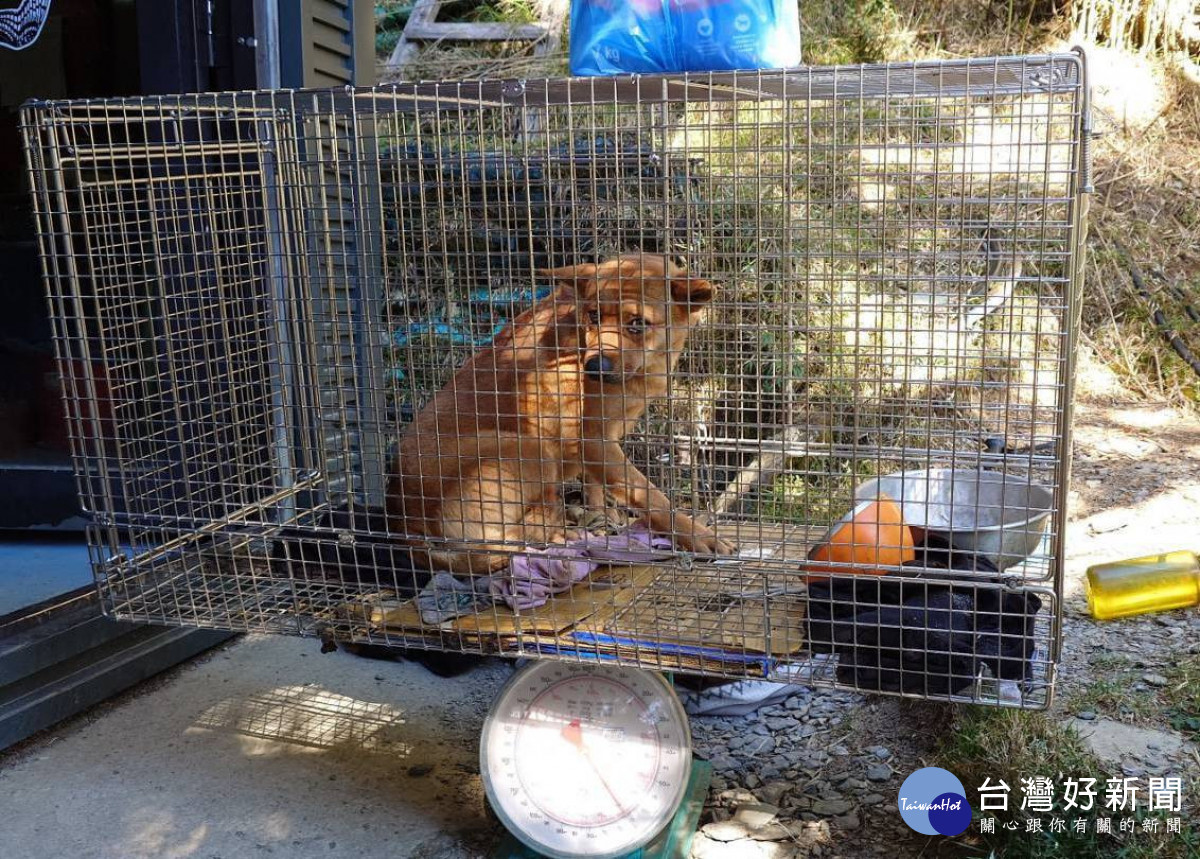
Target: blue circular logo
934	802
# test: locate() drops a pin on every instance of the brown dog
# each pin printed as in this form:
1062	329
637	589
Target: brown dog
480	469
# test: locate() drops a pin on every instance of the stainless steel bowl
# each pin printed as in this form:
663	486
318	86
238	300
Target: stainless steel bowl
999	516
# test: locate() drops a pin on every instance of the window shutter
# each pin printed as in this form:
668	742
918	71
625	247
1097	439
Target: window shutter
326	43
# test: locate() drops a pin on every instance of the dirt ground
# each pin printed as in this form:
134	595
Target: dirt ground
265	747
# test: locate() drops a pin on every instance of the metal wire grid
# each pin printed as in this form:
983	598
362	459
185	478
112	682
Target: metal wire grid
255	295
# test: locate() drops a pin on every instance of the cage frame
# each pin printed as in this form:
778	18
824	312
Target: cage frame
46	125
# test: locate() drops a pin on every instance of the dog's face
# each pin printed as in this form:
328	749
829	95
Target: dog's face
632	310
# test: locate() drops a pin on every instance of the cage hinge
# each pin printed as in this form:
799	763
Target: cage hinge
1089	134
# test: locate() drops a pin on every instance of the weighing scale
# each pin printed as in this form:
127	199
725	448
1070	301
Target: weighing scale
590	760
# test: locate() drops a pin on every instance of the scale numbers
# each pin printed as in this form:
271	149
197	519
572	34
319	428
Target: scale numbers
585	760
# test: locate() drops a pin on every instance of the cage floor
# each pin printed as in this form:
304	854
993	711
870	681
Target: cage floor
228	596
719	615
737	617
665	615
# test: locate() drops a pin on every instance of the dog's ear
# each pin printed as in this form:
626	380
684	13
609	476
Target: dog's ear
691	290
571	275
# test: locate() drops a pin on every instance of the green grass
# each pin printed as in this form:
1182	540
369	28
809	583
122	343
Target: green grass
850	31
509	11
1181	697
817	492
390	18
1009	745
1111	694
385	42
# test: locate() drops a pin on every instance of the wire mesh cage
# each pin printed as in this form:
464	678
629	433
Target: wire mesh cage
749	374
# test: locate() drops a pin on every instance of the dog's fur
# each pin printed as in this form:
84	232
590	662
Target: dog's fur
480	468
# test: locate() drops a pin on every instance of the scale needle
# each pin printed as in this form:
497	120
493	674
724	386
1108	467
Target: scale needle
572	732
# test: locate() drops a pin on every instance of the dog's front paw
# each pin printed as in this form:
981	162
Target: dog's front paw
605	520
702	541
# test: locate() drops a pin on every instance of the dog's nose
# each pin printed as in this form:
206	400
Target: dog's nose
600	367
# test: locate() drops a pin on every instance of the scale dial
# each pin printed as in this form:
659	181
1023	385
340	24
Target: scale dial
585	760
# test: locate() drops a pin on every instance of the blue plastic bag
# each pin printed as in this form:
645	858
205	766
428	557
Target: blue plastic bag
610	37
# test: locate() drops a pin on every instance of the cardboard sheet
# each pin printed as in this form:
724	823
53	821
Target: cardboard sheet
667	617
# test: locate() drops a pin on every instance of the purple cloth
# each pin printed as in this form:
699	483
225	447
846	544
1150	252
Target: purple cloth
534	577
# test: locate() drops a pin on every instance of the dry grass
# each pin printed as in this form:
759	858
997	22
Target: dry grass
1141	25
1146	104
857	329
1146	161
1147	178
1148	196
461	62
483	60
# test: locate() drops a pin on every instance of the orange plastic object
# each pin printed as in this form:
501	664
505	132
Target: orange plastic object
871	538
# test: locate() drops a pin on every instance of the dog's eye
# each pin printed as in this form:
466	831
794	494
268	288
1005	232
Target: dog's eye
637	325
594	317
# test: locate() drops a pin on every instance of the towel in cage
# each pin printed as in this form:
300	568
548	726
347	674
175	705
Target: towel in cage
910	635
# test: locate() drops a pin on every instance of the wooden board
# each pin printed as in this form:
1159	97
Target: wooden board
703	608
489	31
607	590
423	28
708	617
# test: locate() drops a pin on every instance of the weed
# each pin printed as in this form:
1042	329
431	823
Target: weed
1181	696
510	11
851	31
1112	696
1010	746
390	19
